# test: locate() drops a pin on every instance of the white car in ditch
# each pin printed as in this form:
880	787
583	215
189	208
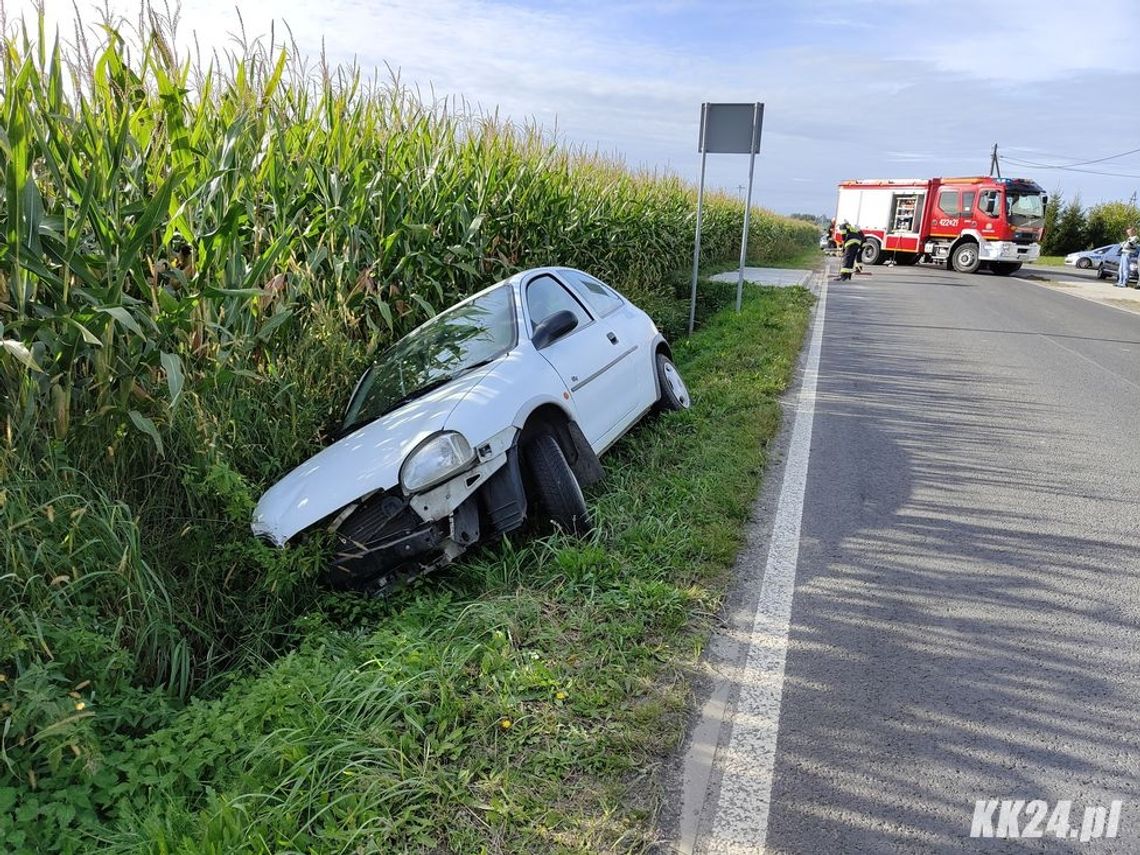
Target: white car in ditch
493	411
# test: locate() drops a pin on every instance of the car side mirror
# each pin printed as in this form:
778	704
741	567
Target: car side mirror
553	328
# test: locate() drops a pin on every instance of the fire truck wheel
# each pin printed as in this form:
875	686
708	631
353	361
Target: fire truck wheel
965	258
872	252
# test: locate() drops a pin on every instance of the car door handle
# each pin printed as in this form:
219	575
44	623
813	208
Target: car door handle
611	337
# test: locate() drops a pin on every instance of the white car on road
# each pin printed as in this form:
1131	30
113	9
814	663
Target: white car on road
1089	257
493	411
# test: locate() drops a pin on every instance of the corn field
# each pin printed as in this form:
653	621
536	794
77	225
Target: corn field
196	260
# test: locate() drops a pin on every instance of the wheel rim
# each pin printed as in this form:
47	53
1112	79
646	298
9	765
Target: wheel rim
1084	264
967	256
680	390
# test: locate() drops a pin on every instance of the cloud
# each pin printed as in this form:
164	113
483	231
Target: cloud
881	88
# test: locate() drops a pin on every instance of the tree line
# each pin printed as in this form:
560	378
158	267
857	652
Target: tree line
1070	227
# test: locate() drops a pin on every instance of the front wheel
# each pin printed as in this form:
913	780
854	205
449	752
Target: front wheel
965	258
1084	263
1004	268
674	393
555	489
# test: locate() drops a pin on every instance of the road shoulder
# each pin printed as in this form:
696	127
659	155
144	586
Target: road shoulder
1076	285
693	780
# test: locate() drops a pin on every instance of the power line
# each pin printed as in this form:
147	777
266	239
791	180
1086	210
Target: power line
1078	161
1033	165
1103	159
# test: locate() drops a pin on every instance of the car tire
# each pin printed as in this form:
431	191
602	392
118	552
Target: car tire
1100	274
1084	263
555	490
674	393
872	252
966	258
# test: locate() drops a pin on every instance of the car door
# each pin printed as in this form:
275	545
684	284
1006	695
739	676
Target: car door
585	359
1110	263
633	330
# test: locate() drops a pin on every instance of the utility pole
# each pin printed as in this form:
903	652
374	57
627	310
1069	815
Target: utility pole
995	167
740	190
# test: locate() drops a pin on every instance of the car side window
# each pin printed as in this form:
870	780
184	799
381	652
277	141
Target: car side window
968	203
601	299
545	296
948	202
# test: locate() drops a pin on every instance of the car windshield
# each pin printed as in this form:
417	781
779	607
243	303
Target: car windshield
455	341
1025	209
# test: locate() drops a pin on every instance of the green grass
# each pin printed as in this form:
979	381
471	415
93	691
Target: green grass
522	701
1051	260
804	259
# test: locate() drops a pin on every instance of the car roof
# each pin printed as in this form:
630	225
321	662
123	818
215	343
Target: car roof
534	271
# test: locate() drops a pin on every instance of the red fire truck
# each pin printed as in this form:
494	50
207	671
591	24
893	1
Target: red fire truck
966	223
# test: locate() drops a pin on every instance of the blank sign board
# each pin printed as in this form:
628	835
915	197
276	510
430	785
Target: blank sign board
728	129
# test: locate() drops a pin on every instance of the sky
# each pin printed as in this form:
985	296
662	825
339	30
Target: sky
857	89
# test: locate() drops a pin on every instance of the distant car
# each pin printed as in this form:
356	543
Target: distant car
1088	258
1109	266
490	413
823	241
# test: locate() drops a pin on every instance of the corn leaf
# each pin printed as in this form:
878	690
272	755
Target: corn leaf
147	426
172	365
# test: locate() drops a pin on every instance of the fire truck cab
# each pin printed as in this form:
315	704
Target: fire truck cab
966	223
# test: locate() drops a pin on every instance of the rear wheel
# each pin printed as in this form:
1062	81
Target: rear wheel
554	488
965	257
1084	263
872	252
1101	273
1004	268
674	392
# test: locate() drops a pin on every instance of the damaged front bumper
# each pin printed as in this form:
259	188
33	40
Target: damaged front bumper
387	537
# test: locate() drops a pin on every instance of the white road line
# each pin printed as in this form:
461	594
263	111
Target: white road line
1100	301
741	822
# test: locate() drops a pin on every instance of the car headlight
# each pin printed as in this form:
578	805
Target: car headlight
434	460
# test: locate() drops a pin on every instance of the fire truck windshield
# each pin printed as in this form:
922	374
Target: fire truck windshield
1024	209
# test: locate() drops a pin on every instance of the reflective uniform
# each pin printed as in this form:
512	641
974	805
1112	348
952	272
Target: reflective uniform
851	239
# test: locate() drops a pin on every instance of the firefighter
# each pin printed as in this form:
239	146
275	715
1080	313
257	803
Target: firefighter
859	253
851	242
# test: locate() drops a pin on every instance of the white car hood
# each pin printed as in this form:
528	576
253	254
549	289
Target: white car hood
366	460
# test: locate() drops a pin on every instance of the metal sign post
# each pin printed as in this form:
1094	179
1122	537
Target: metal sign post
726	129
756	112
700	212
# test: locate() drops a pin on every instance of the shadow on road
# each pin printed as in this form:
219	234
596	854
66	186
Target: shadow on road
965	617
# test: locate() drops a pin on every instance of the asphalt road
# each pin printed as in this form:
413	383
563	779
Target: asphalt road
966	610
